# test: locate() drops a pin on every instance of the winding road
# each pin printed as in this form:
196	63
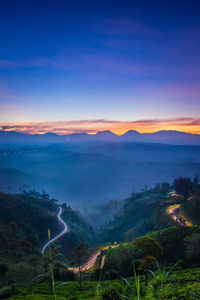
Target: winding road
86	266
173	210
65	230
89	264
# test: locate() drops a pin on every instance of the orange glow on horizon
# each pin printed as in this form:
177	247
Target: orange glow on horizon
189	125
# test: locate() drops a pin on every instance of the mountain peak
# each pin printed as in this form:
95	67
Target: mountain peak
50	134
172	132
130	132
105	133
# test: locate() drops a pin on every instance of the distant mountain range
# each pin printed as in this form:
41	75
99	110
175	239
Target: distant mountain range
165	136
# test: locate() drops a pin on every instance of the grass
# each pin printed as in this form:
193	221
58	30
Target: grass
137	280
182	284
69	291
162	273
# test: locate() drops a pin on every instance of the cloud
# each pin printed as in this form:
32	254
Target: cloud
10	63
83	62
191	125
124	26
40	62
91	61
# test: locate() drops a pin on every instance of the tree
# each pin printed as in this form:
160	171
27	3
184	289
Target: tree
145	264
3	270
183	186
124	259
146	245
192	243
61	273
149	249
157	187
196	182
81	253
165	187
44	196
129	235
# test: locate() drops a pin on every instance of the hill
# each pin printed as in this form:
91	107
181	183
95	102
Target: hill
24	223
164	136
119	167
142	213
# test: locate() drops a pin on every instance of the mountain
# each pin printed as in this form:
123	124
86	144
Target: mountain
174	137
164	136
131	135
84	174
138	215
78	137
24	225
26	218
13	179
16	138
105	135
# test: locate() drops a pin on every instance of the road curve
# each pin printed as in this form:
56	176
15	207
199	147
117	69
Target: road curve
91	262
88	265
65	230
172	211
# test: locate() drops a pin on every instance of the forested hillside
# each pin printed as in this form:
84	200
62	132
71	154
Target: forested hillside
24	223
142	213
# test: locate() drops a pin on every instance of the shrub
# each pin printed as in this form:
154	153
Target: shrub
113	292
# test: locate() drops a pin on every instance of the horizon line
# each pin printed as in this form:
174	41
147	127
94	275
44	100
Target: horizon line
118	127
99	131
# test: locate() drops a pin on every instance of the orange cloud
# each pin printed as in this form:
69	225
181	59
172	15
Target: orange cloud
191	125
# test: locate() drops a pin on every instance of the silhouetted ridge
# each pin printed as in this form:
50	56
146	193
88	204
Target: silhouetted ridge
163	136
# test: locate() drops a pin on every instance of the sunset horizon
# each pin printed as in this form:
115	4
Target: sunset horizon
121	61
187	125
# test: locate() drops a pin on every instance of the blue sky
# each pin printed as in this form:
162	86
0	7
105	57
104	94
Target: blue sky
90	60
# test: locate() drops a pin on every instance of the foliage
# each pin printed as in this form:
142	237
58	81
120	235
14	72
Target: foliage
183	186
81	252
148	246
113	292
146	263
80	230
8	291
23	229
191	208
137	217
182	284
129	235
192	243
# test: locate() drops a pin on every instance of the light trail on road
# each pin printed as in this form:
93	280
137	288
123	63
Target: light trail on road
172	211
88	265
91	262
65	230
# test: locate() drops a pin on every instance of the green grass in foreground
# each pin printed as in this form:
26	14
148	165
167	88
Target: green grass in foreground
69	290
183	284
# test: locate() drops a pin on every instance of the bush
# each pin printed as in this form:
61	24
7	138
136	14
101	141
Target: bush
8	291
61	274
113	292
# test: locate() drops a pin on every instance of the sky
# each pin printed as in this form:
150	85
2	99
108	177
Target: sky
72	66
